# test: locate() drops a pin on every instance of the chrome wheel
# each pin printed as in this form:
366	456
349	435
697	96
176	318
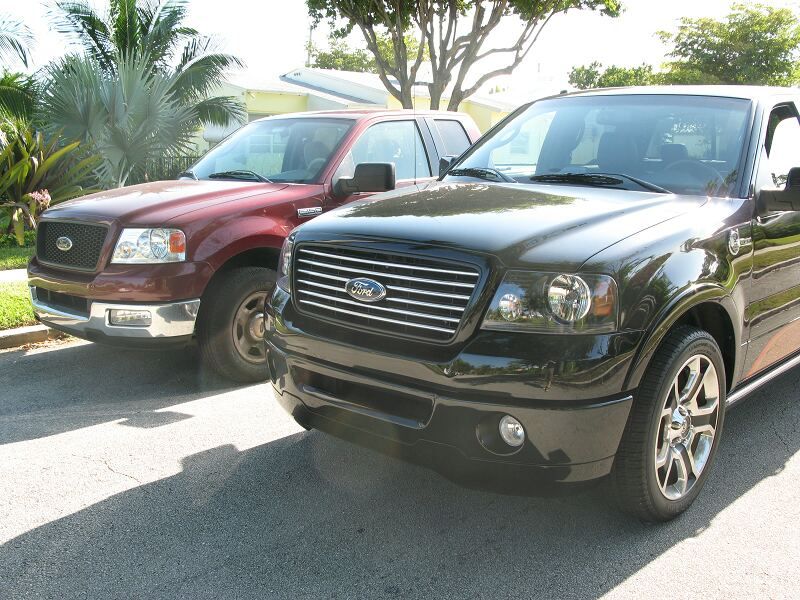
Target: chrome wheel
248	328
687	426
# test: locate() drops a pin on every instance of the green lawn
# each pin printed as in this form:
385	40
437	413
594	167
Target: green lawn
15	258
15	305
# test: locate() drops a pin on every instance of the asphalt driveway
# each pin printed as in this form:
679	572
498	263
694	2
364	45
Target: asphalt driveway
127	474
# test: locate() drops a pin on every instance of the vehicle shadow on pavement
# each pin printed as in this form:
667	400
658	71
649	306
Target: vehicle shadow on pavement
67	388
308	516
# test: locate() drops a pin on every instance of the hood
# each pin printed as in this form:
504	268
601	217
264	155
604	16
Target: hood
158	202
523	225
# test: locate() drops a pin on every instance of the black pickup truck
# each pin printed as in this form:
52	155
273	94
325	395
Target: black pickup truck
583	293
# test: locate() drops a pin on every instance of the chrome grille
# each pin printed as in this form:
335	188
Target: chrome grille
425	297
86	244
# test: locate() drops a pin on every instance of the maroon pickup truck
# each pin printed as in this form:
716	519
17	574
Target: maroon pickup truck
169	262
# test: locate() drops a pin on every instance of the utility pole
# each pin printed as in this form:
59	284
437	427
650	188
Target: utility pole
309	46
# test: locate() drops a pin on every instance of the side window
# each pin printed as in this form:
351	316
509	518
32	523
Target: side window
782	145
395	142
453	135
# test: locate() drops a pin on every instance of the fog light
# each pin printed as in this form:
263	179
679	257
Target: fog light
129	318
512	431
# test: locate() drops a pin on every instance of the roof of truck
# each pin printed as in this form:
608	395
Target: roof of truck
362	113
748	92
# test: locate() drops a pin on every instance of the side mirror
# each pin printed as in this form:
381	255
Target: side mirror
779	200
368	177
445	162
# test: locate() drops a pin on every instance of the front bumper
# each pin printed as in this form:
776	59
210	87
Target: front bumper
444	411
171	322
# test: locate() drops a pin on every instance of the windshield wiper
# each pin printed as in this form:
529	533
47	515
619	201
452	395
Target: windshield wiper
486	173
598	179
188	173
239	174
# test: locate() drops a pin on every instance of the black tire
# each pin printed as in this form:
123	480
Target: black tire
220	347
642	488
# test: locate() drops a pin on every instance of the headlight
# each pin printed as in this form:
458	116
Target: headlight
150	246
285	264
554	303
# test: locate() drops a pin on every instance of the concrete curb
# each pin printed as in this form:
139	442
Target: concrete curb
11	338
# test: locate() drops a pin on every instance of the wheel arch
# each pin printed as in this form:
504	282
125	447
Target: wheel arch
709	308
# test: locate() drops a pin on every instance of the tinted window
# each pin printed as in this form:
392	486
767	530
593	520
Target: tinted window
395	142
782	145
686	144
283	150
453	136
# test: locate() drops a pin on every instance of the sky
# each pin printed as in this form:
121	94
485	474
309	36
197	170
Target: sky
270	35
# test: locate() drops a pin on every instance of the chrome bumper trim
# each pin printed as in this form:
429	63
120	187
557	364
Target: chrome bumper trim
172	319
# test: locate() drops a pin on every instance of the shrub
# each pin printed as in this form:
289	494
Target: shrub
36	172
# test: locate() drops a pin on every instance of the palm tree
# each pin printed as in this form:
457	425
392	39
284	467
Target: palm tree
15	40
129	117
151	32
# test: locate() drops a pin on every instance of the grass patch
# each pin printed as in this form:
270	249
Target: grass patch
15	305
15	258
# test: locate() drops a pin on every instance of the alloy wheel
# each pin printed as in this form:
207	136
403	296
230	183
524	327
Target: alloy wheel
687	427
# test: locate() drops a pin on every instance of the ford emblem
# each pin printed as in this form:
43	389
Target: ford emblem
365	290
64	243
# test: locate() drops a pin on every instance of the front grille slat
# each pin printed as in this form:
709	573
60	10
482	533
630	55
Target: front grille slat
425	297
404	300
387	264
86	244
381	308
358	271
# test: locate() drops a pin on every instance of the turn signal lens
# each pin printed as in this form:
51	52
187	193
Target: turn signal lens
177	242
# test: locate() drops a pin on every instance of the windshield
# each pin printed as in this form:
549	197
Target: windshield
680	144
279	150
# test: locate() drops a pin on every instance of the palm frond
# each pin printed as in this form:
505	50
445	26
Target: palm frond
201	70
221	110
79	21
125	27
15	40
18	95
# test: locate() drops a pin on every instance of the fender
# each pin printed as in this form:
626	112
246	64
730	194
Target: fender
240	235
681	303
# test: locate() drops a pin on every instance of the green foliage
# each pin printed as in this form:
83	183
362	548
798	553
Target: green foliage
15	40
594	75
18	95
15	305
150	34
341	56
16	257
36	172
755	44
451	33
9	240
128	118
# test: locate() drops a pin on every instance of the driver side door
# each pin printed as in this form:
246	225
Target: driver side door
773	309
